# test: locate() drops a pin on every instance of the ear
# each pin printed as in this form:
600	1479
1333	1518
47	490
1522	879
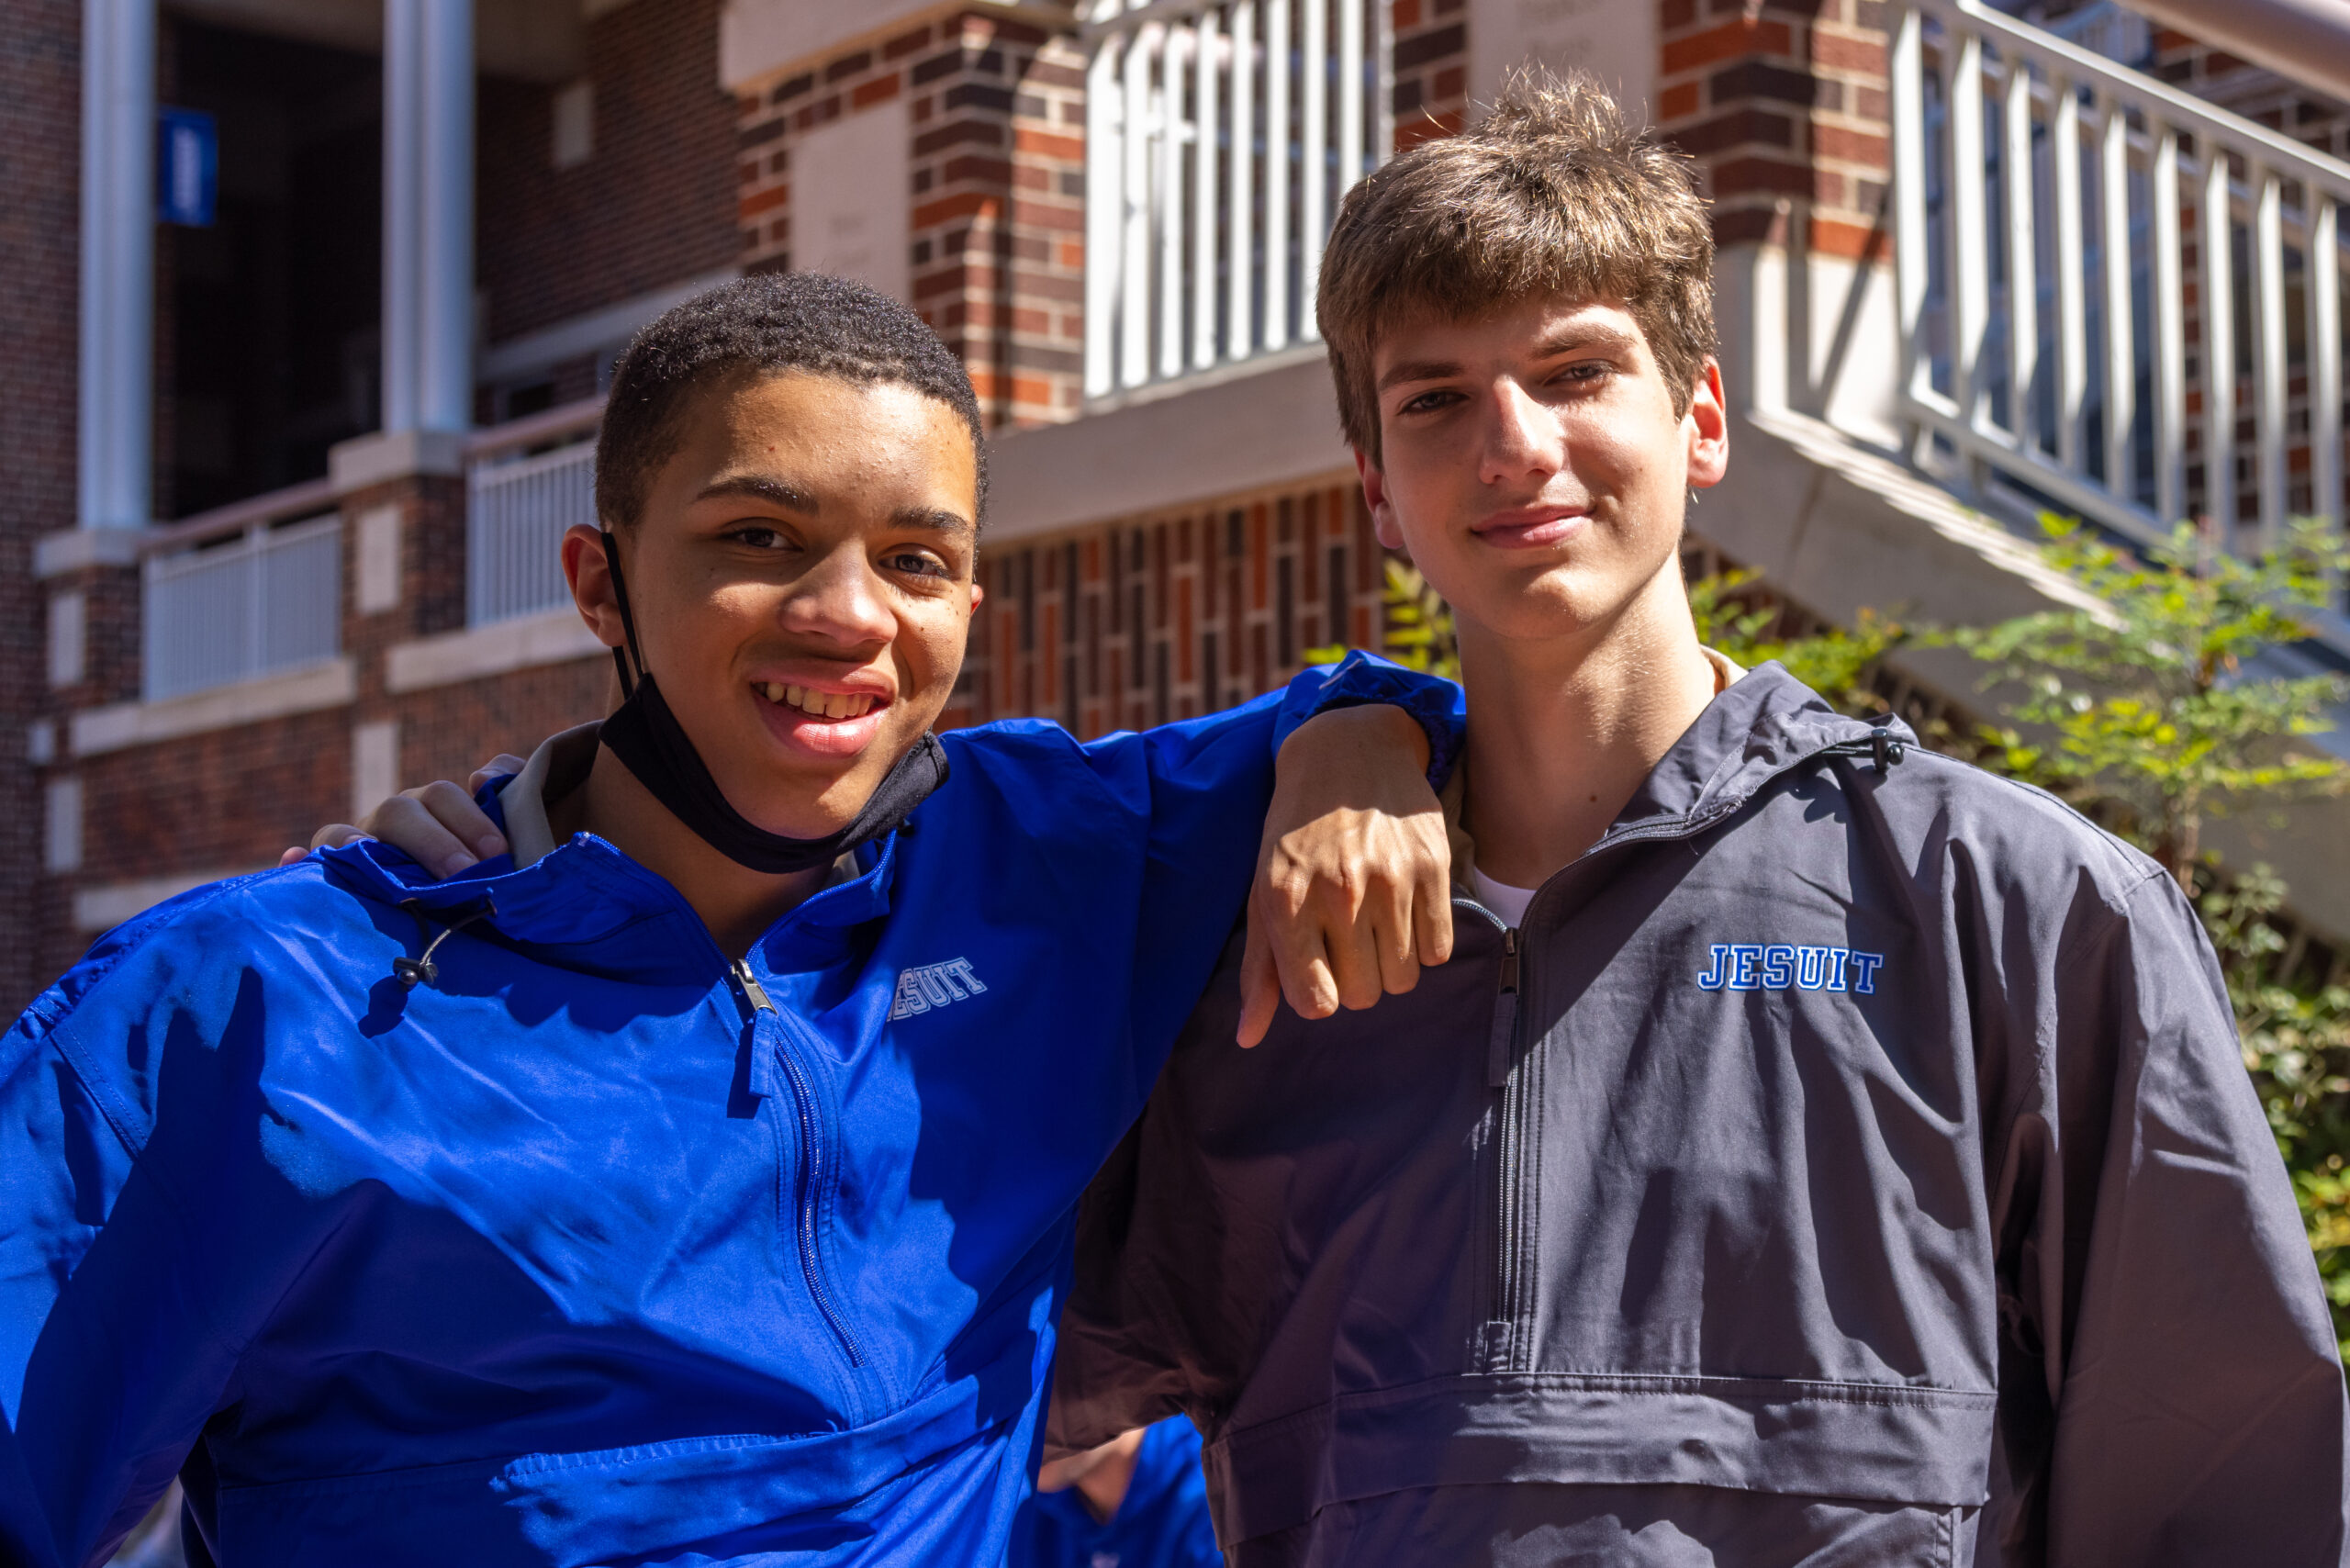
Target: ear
1376	495
1708	424
590	576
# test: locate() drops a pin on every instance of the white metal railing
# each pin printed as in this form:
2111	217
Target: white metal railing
525	483
242	604
2052	211
1220	135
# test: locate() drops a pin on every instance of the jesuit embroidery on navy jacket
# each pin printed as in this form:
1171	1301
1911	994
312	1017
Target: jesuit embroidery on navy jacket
1774	967
933	985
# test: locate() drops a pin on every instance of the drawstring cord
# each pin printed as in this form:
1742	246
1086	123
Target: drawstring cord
408	970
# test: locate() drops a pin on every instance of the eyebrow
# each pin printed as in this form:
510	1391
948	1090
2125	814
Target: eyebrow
758	487
1565	340
938	519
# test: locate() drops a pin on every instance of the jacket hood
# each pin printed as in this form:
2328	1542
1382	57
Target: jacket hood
1763	723
585	905
1755	729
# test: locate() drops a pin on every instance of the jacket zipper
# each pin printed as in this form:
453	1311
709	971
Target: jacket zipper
812	1143
1500	1072
1505	1072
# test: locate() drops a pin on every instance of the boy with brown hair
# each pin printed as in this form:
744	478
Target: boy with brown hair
1817	1152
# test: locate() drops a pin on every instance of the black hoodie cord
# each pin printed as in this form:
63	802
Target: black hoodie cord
408	970
1883	747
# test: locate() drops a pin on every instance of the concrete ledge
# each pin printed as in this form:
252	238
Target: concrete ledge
365	460
584	334
332	684
104	908
1244	429
71	549
550	637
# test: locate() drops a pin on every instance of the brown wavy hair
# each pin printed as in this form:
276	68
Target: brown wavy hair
1555	193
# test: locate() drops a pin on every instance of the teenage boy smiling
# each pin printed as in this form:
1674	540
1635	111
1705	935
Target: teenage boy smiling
618	1201
1818	1151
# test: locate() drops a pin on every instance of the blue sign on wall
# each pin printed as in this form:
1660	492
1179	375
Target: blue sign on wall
187	167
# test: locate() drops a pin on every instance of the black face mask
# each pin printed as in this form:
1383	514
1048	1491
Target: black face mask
653	746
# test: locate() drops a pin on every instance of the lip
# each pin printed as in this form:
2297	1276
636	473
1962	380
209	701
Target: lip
1531	528
829	739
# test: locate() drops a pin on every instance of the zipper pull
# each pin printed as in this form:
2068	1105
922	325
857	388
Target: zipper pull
1499	1046
767	1024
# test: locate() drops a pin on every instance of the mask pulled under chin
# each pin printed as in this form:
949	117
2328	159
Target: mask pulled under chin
652	744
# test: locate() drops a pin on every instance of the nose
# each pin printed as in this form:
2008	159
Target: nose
1522	436
838	598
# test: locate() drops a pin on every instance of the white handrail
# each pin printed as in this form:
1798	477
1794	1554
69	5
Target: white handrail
1220	136
516	513
2082	216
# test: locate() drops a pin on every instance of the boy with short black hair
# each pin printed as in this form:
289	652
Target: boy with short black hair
694	1182
1818	1151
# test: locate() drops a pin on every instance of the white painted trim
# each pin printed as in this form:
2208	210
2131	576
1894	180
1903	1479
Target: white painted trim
1261	431
551	637
71	549
761	40
365	460
108	905
581	335
329	684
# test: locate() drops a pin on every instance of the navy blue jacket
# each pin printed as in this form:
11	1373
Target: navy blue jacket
597	1248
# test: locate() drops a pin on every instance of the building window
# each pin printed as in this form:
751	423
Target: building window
575	124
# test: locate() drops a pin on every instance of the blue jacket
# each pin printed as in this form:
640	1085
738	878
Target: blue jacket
1162	1523
596	1248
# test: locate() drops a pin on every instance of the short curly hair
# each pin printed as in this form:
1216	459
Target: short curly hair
768	323
1555	193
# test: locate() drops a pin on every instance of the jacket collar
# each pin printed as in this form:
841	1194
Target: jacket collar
1762	723
585	904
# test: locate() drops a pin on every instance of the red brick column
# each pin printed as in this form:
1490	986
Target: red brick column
1783	106
1431	94
994	174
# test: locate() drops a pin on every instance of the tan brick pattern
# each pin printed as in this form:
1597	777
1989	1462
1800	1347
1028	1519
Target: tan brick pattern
1783	105
995	183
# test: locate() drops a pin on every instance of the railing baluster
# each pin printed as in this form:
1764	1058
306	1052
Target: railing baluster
1349	95
2170	336
2024	257
2072	297
1207	73
1277	216
1240	275
2322	284
1312	172
2121	345
1912	271
2268	351
1104	205
1969	238
1169	200
2217	301
1133	286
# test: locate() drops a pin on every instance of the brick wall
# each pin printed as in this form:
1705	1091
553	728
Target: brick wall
1431	68
1168	616
994	180
40	92
652	204
1783	105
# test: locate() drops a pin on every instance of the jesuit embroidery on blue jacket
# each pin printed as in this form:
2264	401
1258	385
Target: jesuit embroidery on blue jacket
1773	967
933	985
